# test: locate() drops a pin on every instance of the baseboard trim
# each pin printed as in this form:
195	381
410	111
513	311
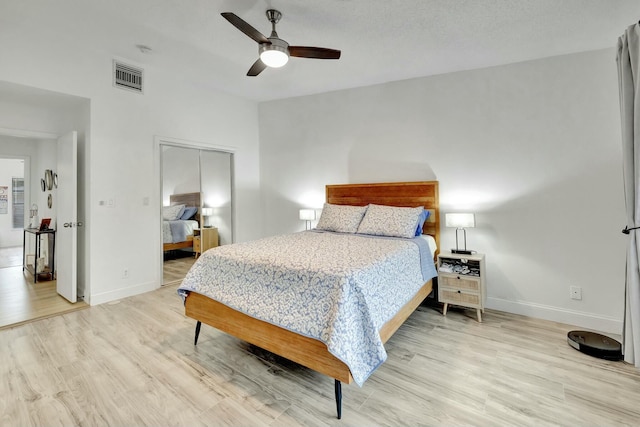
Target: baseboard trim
577	318
117	294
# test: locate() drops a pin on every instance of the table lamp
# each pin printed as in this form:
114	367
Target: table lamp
460	221
307	215
205	213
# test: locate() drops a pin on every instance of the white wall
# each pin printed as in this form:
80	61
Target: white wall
532	148
120	161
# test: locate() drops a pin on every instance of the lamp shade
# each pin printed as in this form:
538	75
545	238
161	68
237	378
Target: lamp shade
307	214
460	220
207	211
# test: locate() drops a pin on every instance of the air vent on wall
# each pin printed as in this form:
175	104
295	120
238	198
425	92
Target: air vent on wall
127	77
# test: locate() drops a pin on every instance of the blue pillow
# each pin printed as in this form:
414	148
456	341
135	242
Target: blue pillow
421	219
188	212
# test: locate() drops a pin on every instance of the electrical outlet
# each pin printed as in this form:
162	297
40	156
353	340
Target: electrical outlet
125	273
575	292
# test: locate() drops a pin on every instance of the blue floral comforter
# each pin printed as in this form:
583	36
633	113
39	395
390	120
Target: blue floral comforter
337	288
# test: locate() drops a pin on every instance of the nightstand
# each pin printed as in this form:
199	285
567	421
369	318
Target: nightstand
203	239
461	281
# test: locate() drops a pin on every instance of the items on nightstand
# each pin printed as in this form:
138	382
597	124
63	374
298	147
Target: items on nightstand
203	239
461	281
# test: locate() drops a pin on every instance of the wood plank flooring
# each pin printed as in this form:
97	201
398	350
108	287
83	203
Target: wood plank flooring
11	257
133	362
21	300
174	270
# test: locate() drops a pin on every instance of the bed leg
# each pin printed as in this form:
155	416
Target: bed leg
339	398
195	341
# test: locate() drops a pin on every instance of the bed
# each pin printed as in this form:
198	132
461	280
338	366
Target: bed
306	348
178	233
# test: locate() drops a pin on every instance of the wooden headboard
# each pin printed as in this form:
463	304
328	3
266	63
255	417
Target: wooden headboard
187	199
407	194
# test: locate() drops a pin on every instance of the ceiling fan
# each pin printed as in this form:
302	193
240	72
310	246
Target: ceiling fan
274	52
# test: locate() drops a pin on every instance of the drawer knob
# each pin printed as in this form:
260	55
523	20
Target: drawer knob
459	292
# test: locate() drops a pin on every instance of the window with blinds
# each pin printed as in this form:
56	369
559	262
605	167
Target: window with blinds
17	197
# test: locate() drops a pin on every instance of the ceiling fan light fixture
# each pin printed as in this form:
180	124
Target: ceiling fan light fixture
273	51
274	56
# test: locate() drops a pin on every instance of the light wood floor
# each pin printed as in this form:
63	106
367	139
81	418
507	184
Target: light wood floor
11	257
21	300
174	270
133	363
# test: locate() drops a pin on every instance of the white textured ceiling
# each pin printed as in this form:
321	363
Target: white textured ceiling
381	40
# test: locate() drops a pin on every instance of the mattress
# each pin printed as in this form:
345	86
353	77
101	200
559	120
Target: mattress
178	230
431	242
337	288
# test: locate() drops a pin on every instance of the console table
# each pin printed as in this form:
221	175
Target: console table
37	234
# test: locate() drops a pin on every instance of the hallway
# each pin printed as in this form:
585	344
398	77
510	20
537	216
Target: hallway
21	300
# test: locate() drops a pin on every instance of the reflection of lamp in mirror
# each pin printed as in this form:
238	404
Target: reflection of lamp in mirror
307	215
206	212
460	221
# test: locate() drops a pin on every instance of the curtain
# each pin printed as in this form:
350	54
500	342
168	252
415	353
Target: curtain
628	59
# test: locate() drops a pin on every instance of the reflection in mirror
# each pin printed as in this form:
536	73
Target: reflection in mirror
216	192
195	170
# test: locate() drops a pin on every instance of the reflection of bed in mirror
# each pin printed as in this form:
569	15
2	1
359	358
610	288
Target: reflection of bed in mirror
301	348
178	226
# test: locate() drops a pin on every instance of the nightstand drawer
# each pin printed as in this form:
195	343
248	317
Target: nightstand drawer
458	297
197	244
459	282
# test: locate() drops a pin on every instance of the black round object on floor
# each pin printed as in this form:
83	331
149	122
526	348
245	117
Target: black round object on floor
595	345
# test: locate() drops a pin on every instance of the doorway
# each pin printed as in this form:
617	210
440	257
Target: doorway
52	114
207	173
21	298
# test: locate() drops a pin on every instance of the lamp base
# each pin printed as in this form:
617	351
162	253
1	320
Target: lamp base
461	251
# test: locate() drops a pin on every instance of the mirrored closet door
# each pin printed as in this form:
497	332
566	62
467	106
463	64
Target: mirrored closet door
200	179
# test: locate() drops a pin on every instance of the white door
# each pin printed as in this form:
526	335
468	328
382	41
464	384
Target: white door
67	217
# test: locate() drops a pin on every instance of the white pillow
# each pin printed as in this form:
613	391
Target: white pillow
341	218
390	221
171	213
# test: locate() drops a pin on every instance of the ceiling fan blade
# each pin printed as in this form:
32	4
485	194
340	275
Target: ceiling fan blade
256	68
314	52
242	25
